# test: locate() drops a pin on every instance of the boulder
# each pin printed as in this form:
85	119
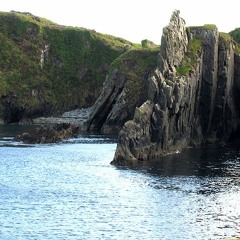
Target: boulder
49	134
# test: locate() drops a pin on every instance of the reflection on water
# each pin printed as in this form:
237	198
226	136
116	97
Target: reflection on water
9	131
70	191
206	161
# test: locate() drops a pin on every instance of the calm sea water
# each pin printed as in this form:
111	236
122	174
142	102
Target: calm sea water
70	191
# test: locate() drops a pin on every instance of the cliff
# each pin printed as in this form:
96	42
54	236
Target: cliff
46	68
124	90
192	96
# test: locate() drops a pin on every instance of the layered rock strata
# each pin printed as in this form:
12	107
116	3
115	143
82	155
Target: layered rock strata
124	89
191	95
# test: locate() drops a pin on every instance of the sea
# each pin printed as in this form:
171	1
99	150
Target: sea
69	190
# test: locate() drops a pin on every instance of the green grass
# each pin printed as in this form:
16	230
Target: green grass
206	26
235	34
210	26
190	59
146	44
75	67
225	40
134	65
74	70
226	37
184	70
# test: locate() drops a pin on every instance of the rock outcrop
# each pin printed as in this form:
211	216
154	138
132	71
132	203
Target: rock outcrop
191	98
77	117
124	89
49	134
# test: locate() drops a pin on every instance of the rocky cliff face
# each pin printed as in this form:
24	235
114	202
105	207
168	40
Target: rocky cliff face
191	96
124	89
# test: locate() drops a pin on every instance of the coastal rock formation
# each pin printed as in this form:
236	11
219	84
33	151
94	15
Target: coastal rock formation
77	117
49	134
124	89
191	98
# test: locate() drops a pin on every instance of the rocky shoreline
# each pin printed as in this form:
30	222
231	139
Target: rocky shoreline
52	133
56	129
77	117
184	94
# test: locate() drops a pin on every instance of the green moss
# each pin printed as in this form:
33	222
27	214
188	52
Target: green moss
206	26
190	59
134	65
210	26
226	37
237	49
225	40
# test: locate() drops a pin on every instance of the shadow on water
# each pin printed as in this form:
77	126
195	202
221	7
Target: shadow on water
9	131
211	161
12	130
210	169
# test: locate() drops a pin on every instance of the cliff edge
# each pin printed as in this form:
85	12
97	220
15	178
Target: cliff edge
191	96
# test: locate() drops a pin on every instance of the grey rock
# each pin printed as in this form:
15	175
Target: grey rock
173	45
105	109
199	107
135	136
123	91
77	117
49	134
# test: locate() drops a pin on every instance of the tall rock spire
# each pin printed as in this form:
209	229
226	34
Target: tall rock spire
173	45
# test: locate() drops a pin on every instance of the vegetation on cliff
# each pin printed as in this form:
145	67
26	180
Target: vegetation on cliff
236	36
135	64
49	68
124	89
190	58
197	108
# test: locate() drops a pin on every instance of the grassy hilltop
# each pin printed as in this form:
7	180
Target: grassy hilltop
46	68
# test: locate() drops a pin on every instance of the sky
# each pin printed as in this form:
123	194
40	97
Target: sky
133	20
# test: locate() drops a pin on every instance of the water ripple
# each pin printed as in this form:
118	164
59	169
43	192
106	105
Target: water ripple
70	191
